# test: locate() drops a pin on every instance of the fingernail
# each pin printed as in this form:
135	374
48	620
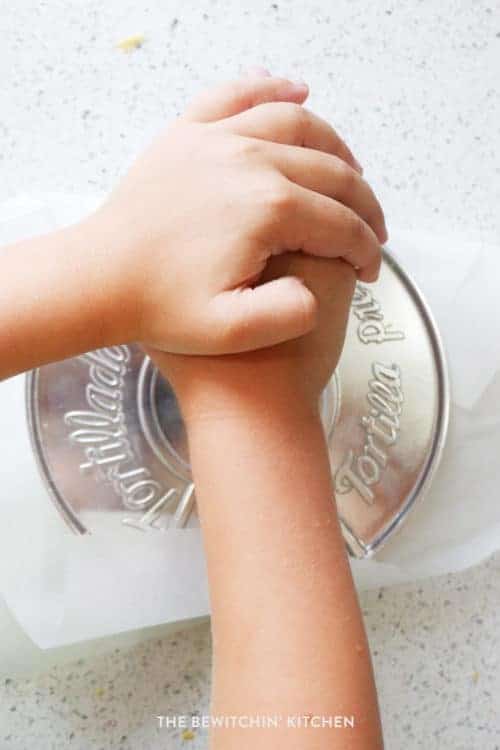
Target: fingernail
301	87
292	92
258	70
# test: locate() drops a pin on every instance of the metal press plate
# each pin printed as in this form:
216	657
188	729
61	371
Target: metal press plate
112	448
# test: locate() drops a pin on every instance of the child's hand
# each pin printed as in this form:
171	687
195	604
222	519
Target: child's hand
285	378
246	174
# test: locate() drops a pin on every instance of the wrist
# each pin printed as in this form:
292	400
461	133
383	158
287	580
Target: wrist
106	279
213	402
63	298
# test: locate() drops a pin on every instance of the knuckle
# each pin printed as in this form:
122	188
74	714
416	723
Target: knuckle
238	91
358	229
228	336
379	213
230	329
377	219
346	176
300	119
376	214
244	148
343	150
280	199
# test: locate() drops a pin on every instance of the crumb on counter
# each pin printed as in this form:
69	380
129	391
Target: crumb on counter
131	43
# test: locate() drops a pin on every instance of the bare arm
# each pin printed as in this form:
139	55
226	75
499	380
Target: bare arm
287	630
288	635
59	298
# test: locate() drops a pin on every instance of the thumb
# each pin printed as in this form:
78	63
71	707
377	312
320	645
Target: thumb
237	96
251	318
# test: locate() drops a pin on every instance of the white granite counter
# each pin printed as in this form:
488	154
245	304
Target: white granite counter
414	86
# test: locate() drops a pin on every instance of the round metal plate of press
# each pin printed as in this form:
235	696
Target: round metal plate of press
112	449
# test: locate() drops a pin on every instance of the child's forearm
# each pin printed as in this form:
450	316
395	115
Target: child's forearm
59	298
288	635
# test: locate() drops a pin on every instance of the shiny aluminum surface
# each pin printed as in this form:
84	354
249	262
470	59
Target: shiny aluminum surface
111	444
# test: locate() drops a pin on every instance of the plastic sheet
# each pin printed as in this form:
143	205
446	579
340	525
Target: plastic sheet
63	588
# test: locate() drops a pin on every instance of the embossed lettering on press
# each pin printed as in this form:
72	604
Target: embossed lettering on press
372	329
102	432
381	427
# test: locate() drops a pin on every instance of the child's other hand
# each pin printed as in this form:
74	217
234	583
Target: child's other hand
289	377
244	175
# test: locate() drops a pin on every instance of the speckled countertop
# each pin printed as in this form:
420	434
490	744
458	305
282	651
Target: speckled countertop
415	86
